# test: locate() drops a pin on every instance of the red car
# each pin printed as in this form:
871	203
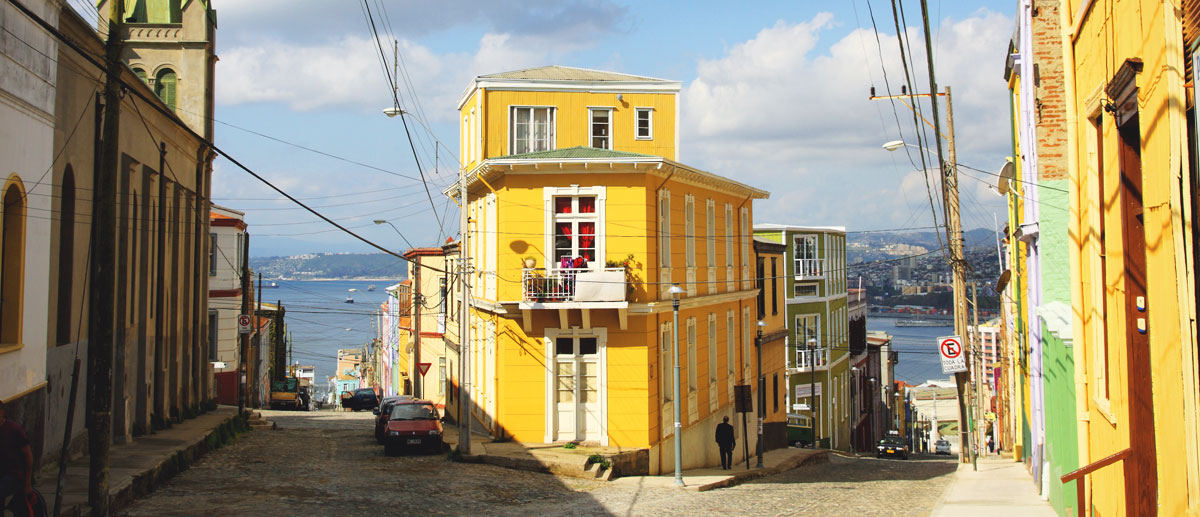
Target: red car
412	424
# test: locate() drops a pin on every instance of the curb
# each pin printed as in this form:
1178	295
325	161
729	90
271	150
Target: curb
784	466
127	489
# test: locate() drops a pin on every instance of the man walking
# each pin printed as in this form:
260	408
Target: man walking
725	443
16	461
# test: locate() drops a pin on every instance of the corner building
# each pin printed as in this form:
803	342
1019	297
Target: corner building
581	219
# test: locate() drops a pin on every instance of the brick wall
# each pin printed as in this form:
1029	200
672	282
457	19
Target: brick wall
1050	92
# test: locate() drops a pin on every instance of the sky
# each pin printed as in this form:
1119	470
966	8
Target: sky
775	95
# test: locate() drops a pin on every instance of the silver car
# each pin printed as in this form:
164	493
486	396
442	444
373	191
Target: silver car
941	447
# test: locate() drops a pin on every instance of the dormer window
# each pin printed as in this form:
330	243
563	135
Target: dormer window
532	130
601	128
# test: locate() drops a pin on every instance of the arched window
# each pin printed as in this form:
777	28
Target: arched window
164	86
66	258
141	74
12	267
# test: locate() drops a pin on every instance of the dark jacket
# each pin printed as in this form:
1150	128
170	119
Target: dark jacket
725	435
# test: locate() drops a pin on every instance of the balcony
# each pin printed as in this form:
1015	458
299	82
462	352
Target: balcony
572	285
805	357
808	269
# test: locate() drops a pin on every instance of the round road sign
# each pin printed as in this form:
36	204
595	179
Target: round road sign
950	347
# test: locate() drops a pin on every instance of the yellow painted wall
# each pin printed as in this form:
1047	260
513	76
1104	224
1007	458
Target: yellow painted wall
1150	31
489	131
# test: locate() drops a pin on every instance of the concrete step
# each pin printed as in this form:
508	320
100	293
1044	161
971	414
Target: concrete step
263	425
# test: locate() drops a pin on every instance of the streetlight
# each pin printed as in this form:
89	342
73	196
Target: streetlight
812	387
762	387
675	292
393	111
389	223
853	407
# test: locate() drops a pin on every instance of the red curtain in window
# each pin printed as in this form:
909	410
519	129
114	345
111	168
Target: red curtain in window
587	240
562	205
587	205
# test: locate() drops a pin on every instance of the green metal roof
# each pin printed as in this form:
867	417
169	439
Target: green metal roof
578	152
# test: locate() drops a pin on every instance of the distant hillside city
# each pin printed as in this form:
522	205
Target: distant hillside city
908	270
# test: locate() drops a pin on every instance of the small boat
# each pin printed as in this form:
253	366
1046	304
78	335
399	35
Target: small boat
349	300
919	322
352	290
271	285
371	287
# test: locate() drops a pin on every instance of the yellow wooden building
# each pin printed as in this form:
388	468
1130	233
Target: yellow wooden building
1133	189
581	219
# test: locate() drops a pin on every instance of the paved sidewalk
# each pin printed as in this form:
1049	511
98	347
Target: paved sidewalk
135	468
700	480
1001	487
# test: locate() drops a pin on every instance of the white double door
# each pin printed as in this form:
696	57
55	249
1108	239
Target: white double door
577	389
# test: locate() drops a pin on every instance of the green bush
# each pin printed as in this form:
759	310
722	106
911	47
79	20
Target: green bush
569	445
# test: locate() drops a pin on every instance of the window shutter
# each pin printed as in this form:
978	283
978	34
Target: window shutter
1191	33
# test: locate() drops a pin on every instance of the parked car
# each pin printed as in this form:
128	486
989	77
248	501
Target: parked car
384	411
412	424
941	447
891	447
362	398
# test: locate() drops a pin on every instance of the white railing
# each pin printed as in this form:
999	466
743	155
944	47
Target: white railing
541	285
805	357
810	268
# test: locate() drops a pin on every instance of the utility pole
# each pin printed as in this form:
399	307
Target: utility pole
254	325
244	338
277	347
416	322
103	272
464	321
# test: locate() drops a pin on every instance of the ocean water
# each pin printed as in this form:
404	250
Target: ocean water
917	347
320	322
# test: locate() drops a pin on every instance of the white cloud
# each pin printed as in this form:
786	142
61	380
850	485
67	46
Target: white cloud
786	113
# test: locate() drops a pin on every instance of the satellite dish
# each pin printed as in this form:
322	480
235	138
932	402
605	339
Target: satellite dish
1002	282
1006	174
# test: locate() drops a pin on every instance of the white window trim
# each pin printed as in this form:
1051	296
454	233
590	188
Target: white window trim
591	126
601	336
548	195
650	112
512	141
693	378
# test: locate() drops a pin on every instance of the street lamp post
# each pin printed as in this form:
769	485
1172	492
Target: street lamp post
389	223
812	388
762	395
853	407
676	291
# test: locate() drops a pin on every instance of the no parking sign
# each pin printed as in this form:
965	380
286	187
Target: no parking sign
951	350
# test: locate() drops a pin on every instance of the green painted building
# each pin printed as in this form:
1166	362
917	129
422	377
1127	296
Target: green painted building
817	347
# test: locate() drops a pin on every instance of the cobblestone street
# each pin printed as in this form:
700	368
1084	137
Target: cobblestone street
327	463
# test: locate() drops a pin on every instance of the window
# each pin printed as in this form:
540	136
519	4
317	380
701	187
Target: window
710	228
805	249
141	74
213	329
691	352
1101	363
729	235
809	289
762	288
664	362
745	337
441	376
164	87
644	120
774	286
212	254
808	334
689	215
66	257
730	353
532	130
601	127
775	390
712	348
664	229
744	237
12	263
574	228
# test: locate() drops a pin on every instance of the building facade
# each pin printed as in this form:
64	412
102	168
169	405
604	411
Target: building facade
226	239
818	346
581	222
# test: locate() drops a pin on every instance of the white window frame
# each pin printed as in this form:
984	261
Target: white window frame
664	229
689	218
729	247
746	341
712	348
730	350
552	130
744	237
665	363
637	112
591	126
548	195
